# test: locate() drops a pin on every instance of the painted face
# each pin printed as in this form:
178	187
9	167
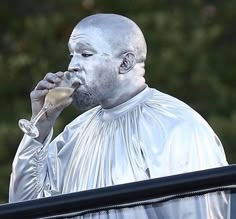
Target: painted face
94	69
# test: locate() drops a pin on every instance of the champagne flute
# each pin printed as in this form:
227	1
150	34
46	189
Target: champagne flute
54	98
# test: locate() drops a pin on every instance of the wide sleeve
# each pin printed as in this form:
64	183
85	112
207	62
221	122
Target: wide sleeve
29	169
38	170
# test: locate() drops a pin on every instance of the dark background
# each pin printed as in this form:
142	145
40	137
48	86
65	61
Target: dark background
191	55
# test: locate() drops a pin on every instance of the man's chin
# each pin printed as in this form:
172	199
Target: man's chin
84	101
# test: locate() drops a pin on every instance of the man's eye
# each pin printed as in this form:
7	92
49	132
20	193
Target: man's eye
70	56
86	54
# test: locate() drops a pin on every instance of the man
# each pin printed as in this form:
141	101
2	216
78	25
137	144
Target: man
135	133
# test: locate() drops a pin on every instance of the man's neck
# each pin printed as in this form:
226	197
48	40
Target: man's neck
123	94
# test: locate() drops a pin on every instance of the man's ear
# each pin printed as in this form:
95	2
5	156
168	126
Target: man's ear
128	62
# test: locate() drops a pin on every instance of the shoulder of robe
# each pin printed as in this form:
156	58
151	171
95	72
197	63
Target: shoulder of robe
180	115
192	131
173	109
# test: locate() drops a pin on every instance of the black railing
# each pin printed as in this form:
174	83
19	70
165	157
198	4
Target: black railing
121	194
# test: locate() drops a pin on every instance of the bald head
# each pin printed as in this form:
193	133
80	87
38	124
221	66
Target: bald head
108	53
121	33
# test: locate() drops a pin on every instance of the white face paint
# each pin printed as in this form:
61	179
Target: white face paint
94	69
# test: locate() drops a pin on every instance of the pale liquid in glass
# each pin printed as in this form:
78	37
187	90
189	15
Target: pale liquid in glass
58	95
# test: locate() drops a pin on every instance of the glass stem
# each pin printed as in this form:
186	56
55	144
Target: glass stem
37	117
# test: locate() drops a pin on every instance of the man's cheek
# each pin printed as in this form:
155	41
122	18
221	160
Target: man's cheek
92	86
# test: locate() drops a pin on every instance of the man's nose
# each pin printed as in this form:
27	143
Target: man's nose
74	65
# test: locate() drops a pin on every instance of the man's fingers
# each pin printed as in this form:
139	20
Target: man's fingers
50	80
54	77
60	74
38	94
42	85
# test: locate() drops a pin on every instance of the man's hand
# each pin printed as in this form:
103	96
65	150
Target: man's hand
37	96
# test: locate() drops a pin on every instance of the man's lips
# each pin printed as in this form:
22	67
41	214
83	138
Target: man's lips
76	84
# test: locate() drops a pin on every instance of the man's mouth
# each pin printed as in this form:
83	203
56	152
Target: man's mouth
78	83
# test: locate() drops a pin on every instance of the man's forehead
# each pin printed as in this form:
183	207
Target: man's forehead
85	31
90	36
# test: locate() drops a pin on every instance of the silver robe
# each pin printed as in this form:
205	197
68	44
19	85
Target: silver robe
151	135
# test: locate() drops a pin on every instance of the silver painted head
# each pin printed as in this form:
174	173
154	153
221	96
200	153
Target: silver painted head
104	49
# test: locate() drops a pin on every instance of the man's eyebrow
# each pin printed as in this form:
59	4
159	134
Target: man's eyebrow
83	44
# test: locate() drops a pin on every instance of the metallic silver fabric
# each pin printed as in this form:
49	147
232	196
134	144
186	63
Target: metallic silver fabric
151	135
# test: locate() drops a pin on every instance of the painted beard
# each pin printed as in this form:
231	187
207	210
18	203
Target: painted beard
83	99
